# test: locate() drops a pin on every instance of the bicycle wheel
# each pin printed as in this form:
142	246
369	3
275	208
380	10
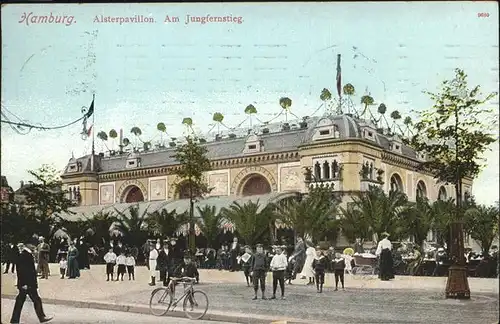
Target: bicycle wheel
160	301
195	305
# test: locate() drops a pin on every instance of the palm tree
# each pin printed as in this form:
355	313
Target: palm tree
100	224
210	223
132	225
312	216
378	213
418	219
444	212
251	221
482	225
166	223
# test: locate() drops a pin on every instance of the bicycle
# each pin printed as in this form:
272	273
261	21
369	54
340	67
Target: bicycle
167	301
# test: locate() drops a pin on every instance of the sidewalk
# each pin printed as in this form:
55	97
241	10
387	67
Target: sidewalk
230	298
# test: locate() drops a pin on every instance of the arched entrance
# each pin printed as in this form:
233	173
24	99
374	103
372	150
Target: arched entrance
442	194
256	184
421	189
134	194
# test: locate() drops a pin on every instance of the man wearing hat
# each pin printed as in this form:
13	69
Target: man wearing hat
153	256
259	271
164	263
440	260
43	258
27	285
188	267
384	252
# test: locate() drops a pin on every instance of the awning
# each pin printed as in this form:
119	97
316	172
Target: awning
180	206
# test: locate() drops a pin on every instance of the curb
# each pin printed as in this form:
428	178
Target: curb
144	309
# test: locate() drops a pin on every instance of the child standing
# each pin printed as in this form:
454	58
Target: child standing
110	259
121	261
339	268
278	266
130	263
320	264
246	260
63	265
259	271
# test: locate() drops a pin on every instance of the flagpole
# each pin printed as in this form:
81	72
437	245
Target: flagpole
93	137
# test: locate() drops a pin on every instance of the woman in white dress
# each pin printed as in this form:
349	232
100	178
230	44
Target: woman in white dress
307	270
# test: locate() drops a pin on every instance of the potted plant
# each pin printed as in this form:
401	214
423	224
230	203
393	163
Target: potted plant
285	127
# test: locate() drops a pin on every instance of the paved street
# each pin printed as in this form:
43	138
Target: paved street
366	300
67	315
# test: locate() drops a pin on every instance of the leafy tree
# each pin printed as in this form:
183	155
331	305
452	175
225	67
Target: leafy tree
45	199
482	225
132	225
252	221
210	223
193	163
166	223
454	134
444	212
373	212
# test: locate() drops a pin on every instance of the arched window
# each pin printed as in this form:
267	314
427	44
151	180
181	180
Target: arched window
396	183
421	189
442	195
317	171
326	170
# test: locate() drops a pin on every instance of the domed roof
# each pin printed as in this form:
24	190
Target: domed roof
346	126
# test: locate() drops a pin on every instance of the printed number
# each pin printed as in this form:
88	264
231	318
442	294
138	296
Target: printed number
483	14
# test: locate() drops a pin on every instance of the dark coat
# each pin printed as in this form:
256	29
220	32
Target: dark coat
164	260
321	264
26	271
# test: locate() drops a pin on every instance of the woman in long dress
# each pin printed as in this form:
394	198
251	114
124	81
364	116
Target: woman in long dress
307	270
73	269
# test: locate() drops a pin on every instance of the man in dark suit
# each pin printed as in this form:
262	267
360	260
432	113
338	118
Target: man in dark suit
27	285
164	263
235	253
12	253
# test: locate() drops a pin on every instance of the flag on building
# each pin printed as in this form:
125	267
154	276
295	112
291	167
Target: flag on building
91	109
339	81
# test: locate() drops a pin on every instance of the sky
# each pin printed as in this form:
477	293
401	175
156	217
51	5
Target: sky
143	73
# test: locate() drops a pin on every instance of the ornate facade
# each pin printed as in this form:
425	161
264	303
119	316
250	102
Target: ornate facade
347	153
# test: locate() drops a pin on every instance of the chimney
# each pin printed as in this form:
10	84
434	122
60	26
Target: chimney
21	183
120	145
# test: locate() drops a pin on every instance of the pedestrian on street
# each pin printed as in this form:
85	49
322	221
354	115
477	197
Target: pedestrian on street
110	259
246	262
259	271
278	266
12	254
130	262
320	265
234	254
27	284
153	256
43	258
298	257
63	265
121	261
384	252
339	270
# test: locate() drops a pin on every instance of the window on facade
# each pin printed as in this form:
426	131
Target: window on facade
421	189
326	170
252	147
335	169
396	183
317	171
442	195
324	132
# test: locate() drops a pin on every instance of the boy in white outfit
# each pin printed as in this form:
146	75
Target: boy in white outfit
110	259
130	263
279	263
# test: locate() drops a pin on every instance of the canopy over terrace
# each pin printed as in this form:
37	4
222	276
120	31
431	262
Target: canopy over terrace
179	206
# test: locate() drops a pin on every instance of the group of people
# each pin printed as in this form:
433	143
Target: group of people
168	261
310	263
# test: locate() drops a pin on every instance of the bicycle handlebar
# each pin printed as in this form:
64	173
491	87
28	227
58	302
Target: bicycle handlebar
183	279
